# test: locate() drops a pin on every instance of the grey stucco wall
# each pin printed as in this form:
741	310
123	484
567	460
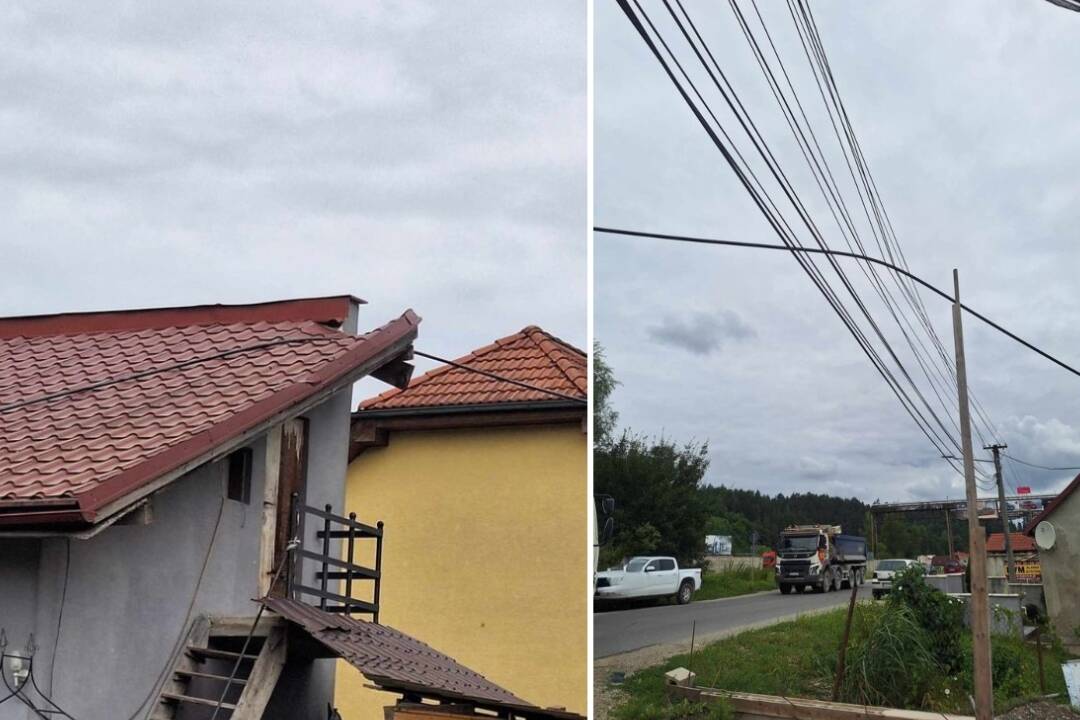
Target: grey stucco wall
1061	571
128	595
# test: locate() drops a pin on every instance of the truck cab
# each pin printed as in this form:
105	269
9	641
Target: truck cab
819	557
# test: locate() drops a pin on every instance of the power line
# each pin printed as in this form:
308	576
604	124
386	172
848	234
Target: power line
841	253
1040	467
768	208
502	378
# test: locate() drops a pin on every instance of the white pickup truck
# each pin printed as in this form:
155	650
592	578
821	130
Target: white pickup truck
644	577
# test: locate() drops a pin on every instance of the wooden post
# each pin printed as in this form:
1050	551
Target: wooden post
272	467
979	602
839	679
948	531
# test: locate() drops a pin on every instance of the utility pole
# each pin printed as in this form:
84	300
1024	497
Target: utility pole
1003	509
979	602
948	531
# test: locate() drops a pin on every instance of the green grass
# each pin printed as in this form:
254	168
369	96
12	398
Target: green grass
798	659
737	581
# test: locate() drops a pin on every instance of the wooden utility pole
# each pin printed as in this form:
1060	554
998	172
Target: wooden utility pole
978	602
948	531
1003	510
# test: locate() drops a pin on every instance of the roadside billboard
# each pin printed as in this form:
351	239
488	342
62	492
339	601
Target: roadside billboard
718	544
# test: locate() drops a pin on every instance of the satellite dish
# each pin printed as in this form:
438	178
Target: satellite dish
1045	535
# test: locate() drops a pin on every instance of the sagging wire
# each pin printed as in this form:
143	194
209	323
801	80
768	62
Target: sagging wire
24	676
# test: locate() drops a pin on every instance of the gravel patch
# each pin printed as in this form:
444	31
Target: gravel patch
1041	710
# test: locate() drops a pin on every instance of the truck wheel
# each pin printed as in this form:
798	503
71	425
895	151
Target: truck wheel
686	591
785	589
858	578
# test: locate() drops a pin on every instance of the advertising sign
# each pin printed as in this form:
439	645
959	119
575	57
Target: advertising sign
718	544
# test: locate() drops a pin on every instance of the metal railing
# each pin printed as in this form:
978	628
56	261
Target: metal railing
345	571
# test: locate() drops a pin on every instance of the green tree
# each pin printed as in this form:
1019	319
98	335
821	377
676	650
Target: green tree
655	484
603	384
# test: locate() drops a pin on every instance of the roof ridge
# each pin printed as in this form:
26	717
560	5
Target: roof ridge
532	330
560	364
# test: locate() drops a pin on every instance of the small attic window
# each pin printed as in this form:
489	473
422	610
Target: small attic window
238	483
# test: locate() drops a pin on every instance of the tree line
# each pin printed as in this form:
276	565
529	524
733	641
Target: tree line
664	507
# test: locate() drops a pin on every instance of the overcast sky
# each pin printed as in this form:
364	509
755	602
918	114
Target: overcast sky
966	113
416	154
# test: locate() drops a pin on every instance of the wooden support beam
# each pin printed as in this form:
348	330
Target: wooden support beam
263	678
271	475
752	706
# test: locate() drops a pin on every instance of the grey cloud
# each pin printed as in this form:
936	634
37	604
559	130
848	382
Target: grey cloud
700	333
947	133
422	154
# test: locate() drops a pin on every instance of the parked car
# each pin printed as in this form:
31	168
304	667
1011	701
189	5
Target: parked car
881	581
644	577
945	565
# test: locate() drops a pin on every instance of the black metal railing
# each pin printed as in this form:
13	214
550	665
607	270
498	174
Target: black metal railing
345	571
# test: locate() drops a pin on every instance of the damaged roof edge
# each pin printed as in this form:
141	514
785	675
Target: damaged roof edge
332	310
384	345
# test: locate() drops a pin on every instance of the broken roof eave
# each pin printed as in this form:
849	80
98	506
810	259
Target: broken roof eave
80	513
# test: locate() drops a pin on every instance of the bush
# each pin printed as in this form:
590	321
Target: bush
889	659
941	616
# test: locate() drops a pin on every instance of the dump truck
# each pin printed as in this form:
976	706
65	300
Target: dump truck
819	557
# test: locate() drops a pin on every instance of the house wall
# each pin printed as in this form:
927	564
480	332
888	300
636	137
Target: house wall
19	562
127	598
484	555
1061	570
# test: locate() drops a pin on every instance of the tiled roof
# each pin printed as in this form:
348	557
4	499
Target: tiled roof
531	356
94	406
995	543
387	656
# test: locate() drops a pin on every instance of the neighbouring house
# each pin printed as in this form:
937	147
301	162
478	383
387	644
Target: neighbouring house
1061	561
482	485
167	478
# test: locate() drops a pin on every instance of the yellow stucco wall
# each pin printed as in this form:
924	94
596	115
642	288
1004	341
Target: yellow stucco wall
484	555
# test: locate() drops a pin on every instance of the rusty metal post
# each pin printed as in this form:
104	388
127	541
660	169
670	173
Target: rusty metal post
326	554
348	570
378	569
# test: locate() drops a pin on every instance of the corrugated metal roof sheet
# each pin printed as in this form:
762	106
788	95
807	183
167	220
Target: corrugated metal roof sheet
532	356
387	656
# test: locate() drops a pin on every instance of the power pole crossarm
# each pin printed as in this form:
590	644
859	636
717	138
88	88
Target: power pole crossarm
1003	510
980	610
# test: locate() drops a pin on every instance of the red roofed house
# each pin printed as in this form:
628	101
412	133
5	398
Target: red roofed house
1021	543
1059	556
482	484
159	469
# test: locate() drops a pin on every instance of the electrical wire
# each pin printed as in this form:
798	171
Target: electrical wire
766	205
841	253
502	378
1039	467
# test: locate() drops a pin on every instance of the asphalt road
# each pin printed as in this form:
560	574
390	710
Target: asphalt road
620	631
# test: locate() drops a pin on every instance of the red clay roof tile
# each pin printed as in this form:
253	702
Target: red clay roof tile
531	356
995	543
91	415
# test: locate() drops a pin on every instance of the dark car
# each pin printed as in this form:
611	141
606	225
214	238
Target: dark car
945	565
